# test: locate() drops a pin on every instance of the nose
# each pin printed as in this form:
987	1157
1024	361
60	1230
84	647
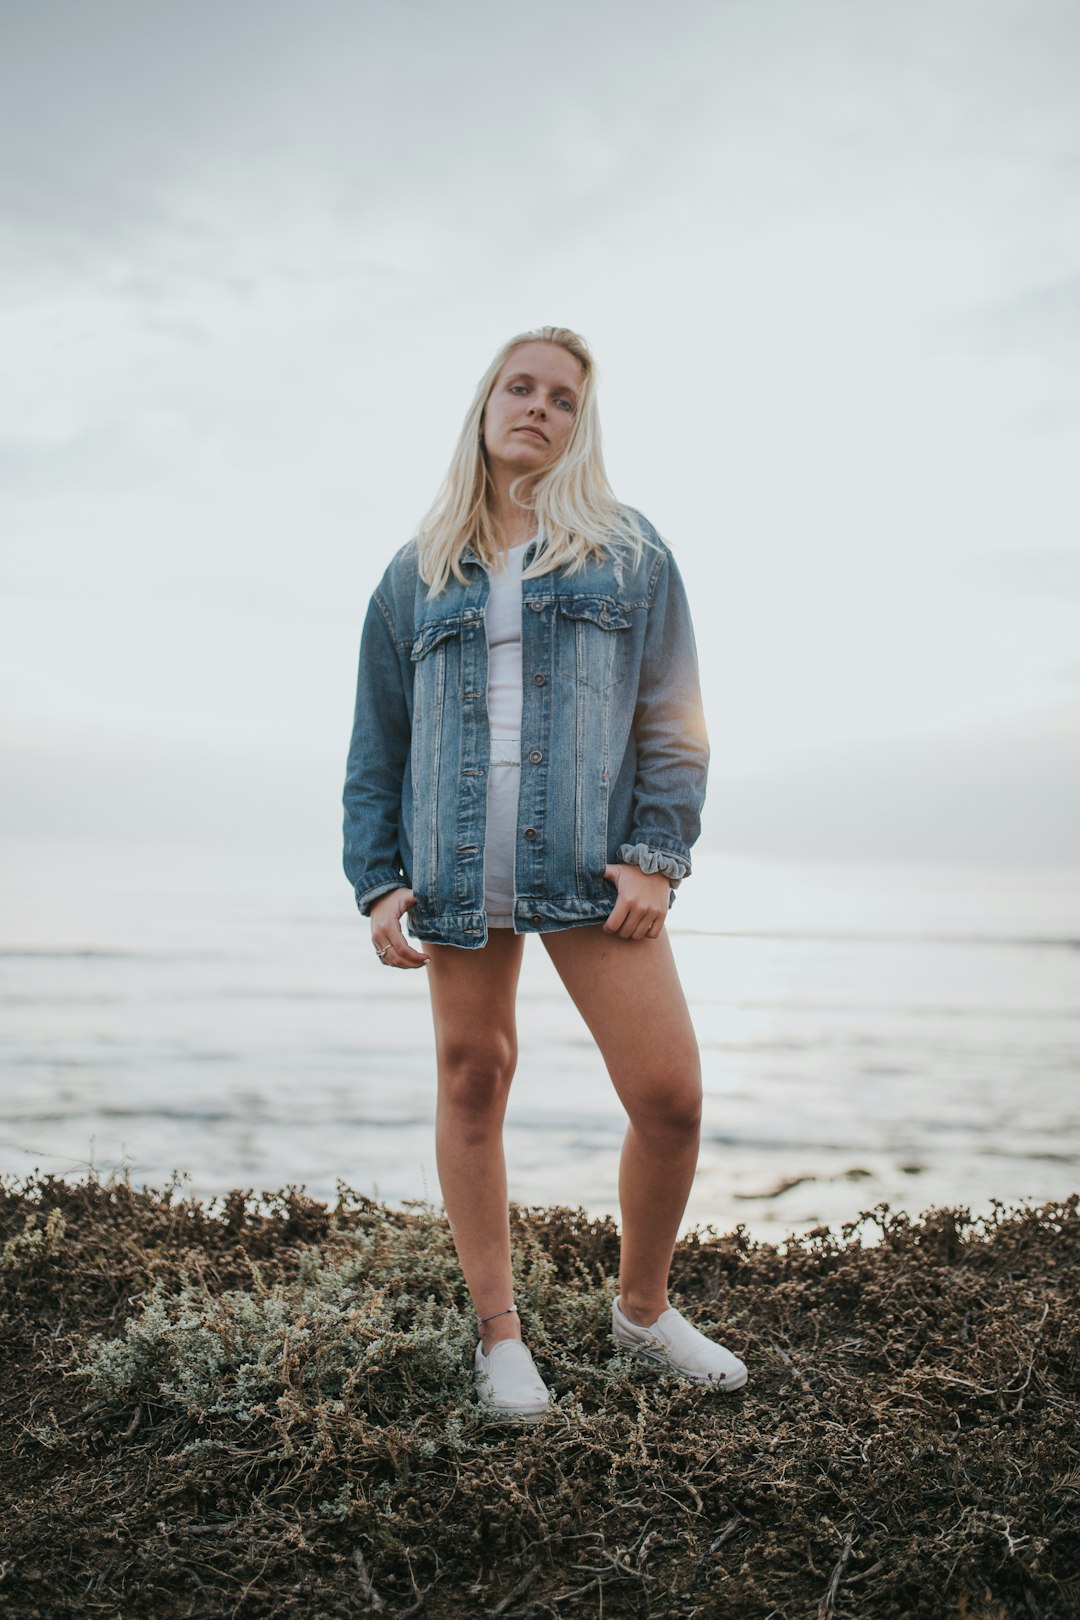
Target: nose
539	406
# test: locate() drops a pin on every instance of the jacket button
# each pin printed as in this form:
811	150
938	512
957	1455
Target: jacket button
536	919
537	607
530	833
539	680
536	756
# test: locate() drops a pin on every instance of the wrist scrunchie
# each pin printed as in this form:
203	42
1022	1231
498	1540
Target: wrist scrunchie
653	860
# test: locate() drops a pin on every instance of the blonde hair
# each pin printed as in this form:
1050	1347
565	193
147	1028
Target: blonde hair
578	518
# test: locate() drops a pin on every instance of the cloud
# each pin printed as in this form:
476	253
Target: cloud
255	257
1041	571
1008	792
1042	318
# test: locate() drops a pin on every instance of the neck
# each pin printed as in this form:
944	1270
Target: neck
513	522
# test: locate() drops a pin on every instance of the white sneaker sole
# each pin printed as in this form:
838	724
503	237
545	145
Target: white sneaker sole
512	1414
726	1386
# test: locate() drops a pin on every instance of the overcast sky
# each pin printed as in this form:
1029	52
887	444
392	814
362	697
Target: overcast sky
255	256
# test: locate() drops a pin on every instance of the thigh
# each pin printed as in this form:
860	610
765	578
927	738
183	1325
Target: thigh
629	994
473	993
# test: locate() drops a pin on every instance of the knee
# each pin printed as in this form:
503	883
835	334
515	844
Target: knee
670	1106
474	1077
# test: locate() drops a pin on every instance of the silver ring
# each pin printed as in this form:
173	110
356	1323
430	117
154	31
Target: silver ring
382	953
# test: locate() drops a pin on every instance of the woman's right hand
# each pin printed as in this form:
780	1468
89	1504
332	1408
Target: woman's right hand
386	915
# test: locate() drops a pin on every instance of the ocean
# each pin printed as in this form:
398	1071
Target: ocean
900	1034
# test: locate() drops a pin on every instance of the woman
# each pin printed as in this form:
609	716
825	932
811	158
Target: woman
529	756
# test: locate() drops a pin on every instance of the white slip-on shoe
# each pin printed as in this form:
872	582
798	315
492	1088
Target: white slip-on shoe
508	1384
676	1344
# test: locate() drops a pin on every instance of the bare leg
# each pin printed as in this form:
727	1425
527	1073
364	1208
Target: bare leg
472	1002
628	993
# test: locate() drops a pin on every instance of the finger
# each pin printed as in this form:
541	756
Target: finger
398	952
619	914
406	956
630	924
403	956
643	928
615	917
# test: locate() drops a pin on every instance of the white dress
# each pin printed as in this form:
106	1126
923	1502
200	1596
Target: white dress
503	626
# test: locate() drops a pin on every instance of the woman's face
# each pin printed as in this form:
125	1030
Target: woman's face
532	408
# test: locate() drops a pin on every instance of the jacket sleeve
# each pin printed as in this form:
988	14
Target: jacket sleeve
378	754
669	729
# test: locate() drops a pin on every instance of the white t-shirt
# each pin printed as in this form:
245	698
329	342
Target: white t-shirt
504	647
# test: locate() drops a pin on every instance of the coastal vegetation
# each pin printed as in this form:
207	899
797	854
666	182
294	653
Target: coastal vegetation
263	1406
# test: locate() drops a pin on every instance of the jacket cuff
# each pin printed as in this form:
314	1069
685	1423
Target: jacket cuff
366	898
654	860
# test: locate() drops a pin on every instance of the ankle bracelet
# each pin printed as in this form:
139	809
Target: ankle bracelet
481	1320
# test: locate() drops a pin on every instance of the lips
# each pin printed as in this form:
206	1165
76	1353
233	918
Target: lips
542	437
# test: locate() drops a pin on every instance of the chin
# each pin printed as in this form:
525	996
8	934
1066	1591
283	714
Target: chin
530	461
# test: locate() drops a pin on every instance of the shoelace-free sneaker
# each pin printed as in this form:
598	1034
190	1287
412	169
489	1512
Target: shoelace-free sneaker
676	1344
508	1384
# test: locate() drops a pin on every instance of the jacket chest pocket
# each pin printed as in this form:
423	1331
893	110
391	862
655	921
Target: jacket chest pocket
594	640
436	672
433	643
430	637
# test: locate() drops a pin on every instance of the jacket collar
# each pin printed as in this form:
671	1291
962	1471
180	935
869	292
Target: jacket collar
469	555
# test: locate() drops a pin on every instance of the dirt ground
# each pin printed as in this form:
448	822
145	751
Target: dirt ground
263	1407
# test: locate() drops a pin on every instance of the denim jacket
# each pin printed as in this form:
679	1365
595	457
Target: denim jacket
614	751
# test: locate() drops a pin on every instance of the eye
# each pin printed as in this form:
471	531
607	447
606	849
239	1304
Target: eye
566	404
518	388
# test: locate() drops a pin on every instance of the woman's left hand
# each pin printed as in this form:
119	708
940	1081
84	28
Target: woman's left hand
642	906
